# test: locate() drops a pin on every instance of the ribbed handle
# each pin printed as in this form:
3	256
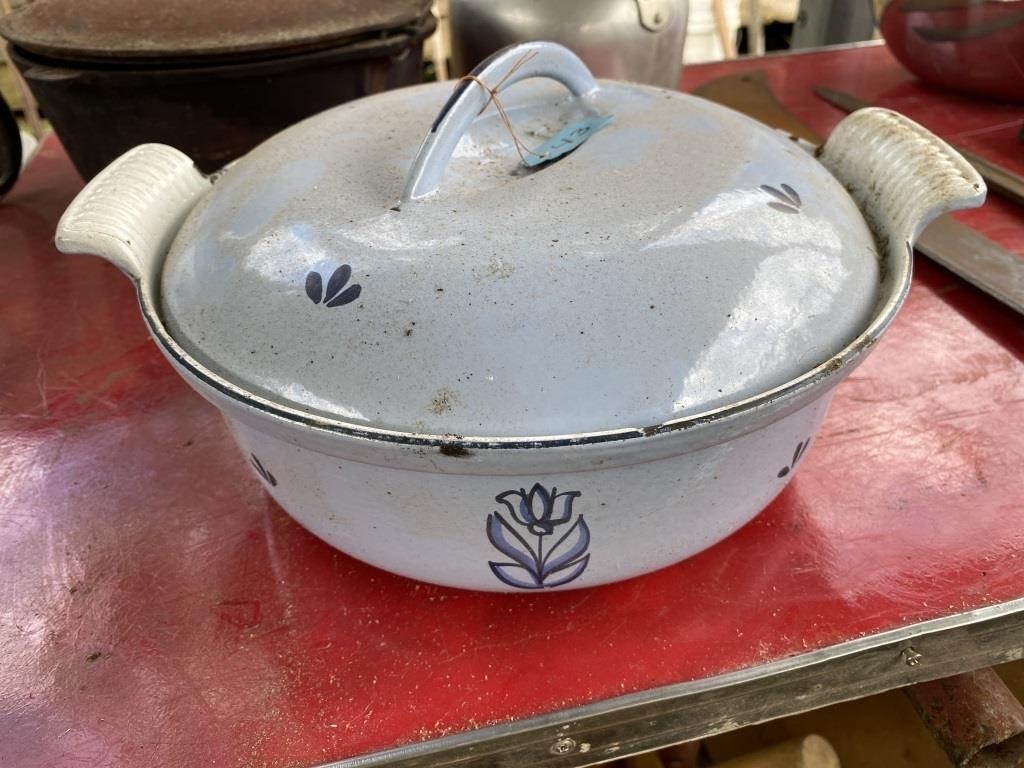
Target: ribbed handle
900	175
504	68
130	212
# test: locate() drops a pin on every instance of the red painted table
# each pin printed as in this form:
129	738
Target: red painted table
158	609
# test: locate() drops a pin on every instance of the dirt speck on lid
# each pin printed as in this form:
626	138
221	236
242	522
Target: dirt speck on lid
444	401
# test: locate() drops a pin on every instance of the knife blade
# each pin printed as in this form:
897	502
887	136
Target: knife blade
981	262
976	259
999	179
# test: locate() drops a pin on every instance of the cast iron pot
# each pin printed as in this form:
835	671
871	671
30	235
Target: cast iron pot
213	93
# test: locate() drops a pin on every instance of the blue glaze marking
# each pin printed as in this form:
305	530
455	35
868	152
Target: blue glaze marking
800	448
334	296
262	471
786	199
529	566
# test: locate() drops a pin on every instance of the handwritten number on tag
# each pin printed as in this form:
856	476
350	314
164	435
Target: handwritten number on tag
566	140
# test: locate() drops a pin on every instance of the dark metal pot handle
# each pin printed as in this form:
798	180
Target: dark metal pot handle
10	148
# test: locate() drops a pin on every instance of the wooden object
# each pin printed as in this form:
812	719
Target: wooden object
645	760
722	30
749	92
28	102
688	755
974	717
808	752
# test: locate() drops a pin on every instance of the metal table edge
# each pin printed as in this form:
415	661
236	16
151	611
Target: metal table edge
793	52
638	722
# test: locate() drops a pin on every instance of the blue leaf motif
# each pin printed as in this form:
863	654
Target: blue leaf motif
786	200
337	281
575	569
335	294
507	572
498	531
797	455
261	470
800	448
347	296
574	542
314	287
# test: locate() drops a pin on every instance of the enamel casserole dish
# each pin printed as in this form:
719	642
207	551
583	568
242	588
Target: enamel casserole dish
492	376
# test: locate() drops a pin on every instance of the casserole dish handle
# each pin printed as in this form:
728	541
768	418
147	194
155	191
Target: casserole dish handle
131	211
475	91
901	176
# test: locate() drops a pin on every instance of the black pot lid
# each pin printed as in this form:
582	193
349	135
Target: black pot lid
200	29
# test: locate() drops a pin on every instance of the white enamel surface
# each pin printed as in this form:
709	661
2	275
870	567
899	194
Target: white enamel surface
433	526
645	277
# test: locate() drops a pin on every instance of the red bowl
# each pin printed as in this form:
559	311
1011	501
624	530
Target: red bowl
974	46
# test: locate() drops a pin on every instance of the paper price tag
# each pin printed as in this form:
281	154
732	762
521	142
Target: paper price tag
567	139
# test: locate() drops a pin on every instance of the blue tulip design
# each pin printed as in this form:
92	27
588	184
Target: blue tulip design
540	512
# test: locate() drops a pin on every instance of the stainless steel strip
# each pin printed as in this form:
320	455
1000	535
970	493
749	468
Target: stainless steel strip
639	722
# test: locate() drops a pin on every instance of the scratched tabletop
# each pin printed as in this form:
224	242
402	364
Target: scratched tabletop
158	609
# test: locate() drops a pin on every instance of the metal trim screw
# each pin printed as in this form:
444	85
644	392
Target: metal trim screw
910	657
563	746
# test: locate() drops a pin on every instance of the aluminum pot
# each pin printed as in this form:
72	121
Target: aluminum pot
635	40
500	377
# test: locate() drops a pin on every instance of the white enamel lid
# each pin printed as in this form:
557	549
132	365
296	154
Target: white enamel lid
683	258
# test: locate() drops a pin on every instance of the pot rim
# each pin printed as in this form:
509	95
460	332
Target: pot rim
95	41
371	45
895	284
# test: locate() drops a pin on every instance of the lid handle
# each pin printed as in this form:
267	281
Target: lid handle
471	96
